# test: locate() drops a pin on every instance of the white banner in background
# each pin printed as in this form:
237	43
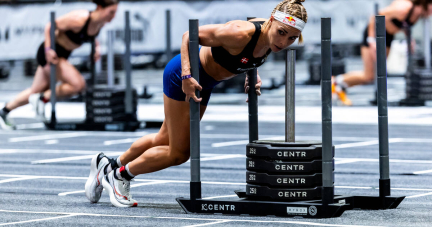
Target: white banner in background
22	27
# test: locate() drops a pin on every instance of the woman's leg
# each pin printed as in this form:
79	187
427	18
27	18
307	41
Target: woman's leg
177	135
40	84
72	81
144	143
362	77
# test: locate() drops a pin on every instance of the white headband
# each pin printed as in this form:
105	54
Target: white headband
289	20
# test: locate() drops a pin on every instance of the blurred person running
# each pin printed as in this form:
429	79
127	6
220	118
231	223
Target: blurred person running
399	15
72	30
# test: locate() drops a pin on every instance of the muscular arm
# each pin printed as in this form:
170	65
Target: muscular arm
232	35
71	21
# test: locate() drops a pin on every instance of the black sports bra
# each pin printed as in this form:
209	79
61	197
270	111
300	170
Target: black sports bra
82	36
244	61
407	21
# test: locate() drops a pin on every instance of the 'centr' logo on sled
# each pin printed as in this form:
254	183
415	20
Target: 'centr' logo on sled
290	20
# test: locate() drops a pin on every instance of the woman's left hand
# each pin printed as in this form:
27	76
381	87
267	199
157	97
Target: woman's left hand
257	86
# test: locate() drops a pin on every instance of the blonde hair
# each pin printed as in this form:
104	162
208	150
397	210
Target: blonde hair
291	7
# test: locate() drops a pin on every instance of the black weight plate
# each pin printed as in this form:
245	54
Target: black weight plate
282	143
423	73
106	102
425	96
286	181
109	94
283	193
284	153
109	118
419	83
103	91
108	110
260	165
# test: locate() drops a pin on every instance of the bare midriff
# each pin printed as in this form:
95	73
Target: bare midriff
65	42
211	67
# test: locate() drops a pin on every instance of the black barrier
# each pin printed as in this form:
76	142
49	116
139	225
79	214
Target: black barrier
194	113
326	108
384	182
168	50
252	103
53	79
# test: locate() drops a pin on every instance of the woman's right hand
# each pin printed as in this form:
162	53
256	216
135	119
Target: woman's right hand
189	86
51	56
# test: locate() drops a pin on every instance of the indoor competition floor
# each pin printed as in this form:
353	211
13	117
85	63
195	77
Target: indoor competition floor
44	172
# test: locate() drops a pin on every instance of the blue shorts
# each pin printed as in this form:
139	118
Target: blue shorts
172	83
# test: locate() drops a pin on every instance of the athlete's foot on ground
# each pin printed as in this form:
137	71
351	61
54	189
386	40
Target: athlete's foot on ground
93	186
119	191
38	106
5	124
340	93
344	98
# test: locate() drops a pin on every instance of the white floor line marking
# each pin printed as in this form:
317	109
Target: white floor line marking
358	144
149	183
74	158
47	151
354	187
224	157
112	142
182	218
73	192
342	160
419	195
51	141
410	189
205	224
231	143
159	182
17	179
47	137
409	140
187	182
36	220
222	196
132	186
423	171
346	161
44	177
30	126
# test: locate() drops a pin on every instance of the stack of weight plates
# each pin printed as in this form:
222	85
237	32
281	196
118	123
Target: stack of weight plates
278	170
108	105
419	84
338	67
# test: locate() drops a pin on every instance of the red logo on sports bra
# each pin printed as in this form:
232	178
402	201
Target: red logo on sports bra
244	60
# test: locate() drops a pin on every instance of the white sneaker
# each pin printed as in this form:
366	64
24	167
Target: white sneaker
93	186
38	106
119	191
5	124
